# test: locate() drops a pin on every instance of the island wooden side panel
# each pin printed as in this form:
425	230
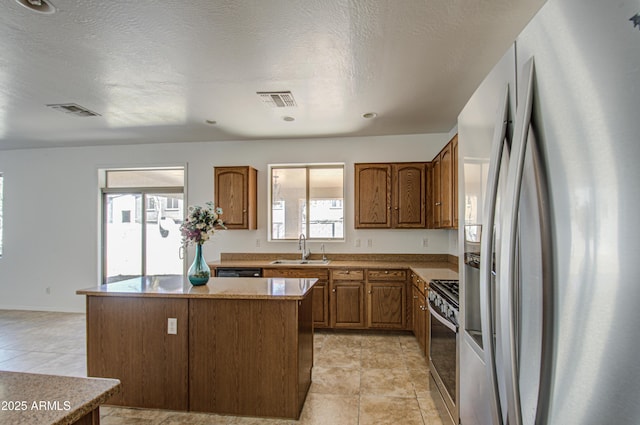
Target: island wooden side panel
127	339
245	356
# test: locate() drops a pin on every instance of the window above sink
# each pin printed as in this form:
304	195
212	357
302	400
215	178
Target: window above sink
307	199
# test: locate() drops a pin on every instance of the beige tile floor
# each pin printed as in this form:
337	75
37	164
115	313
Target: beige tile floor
358	378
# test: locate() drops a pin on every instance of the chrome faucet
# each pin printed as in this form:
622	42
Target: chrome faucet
324	255
302	246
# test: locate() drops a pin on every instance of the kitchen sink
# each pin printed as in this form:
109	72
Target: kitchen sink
308	262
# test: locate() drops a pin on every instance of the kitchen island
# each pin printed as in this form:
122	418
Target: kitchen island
239	346
34	399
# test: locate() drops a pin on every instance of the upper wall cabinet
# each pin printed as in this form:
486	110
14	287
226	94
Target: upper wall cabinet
444	170
236	193
454	187
390	195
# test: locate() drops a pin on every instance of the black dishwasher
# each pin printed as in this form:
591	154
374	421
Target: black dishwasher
238	272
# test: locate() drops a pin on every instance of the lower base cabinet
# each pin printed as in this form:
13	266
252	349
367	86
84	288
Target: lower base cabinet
320	290
421	316
241	364
245	357
346	298
419	319
387	299
356	298
127	339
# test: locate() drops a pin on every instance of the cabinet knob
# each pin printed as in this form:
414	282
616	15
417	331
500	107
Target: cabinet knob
333	290
386	272
438	203
415	297
370	291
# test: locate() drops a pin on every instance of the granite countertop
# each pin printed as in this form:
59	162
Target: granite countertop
427	270
29	398
175	286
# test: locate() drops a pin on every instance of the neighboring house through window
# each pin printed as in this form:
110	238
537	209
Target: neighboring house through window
306	199
137	243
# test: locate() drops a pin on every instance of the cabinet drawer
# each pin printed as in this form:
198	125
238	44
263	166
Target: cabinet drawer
387	275
347	274
321	274
419	283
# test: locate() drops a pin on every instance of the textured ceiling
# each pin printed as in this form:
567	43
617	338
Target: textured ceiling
156	70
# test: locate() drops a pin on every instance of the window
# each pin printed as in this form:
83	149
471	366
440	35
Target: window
306	199
1	210
142	213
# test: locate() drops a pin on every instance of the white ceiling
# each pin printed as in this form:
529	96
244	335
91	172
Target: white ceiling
156	70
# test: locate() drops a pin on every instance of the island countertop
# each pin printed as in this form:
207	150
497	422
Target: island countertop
177	286
29	398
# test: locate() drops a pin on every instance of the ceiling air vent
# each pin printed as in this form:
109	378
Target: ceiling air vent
277	99
73	109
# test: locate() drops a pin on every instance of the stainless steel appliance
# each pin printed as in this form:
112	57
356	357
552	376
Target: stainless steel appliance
550	149
443	343
238	272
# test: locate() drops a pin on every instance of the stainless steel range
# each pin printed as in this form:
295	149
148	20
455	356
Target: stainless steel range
443	347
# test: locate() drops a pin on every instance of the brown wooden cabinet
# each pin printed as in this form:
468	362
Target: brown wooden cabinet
320	290
419	325
454	187
390	195
236	193
387	299
238	356
355	298
372	196
409	195
444	189
346	298
127	339
421	318
250	357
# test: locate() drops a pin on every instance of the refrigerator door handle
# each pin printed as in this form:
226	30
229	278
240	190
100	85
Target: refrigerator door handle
487	257
507	276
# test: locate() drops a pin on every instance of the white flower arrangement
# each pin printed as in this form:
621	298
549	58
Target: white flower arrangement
200	224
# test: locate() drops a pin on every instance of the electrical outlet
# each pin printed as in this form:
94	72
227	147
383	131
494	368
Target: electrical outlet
425	243
356	243
257	243
48	290
369	243
172	326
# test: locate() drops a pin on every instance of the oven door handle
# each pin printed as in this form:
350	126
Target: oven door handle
442	320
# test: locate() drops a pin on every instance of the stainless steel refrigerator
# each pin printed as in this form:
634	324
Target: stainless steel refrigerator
550	284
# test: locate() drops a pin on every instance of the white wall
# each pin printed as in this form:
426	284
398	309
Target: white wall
52	198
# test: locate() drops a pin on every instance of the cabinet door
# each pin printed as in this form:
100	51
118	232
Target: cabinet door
127	339
419	325
372	196
437	197
321	305
446	184
347	304
454	185
235	193
386	305
429	197
409	193
320	290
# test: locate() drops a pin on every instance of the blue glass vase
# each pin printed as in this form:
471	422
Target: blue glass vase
199	272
